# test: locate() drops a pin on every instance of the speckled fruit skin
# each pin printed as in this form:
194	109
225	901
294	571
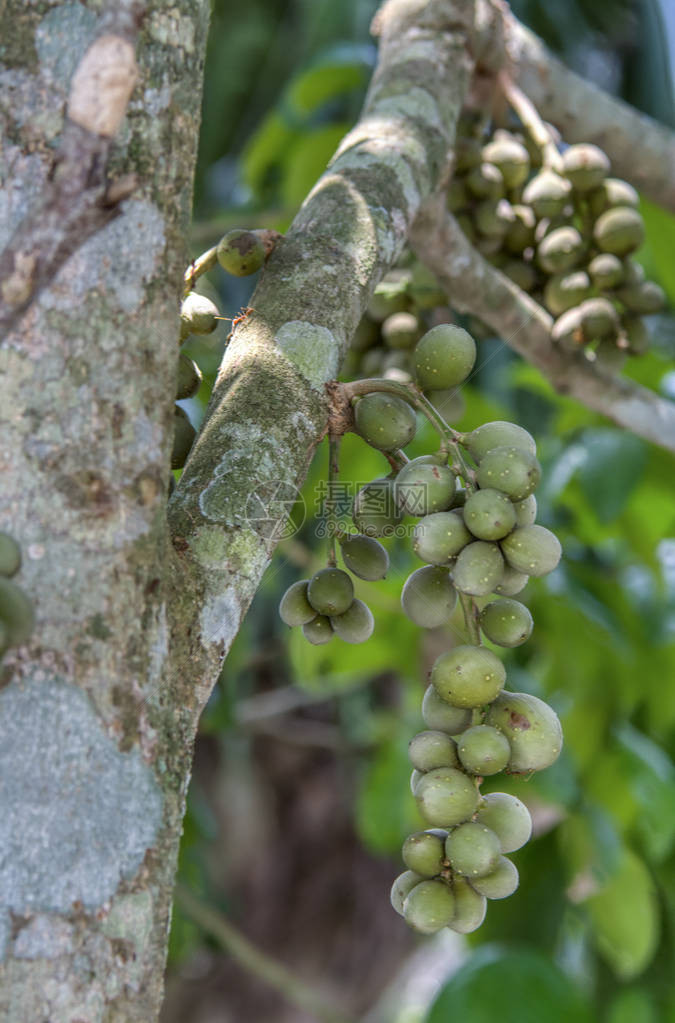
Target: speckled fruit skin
478	568
473	849
384	421
330	591
424	487
431	749
501	883
489	514
429	907
318	631
533	550
439	537
424	853
294	608
445	797
506	622
356	624
498	434
483	750
508	817
364	556
468	676
439	714
240	252
428	597
532	728
470	907
444	357
402	887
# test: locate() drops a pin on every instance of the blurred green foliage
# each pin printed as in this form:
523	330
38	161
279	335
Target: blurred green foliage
594	918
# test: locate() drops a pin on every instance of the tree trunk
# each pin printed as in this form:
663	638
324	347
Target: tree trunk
94	762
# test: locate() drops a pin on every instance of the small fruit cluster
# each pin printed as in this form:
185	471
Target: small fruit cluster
17	618
563	230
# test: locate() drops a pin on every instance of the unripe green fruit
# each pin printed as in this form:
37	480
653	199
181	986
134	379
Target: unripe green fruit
385	421
318	631
450	403
512	159
414	780
431	749
533	550
395	360
508	818
444	357
489	514
612	192
501	883
478	568
402	887
330	591
485	182
439	537
568	330
424	853
636	333
356	624
521	273
441	715
401	331
526	511
457	196
428	597
506	622
565	290
645	298
470	907
390	296
511	582
424	487
198	315
520	233
599	319
473	850
16	613
375	511
511	470
184	435
606	271
483	750
189	378
547	194
445	797
468	676
493	217
532	728
364	556
498	434
10	555
240	252
633	272
609	355
620	230
371	363
294	608
586	166
429	907
468	153
560	250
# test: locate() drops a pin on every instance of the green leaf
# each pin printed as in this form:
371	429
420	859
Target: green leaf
624	918
660	226
514	986
634	1005
653	784
325	81
307	160
611	469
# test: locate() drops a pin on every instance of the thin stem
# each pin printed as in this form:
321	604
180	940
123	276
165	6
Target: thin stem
470	611
334	440
257	962
201	265
531	121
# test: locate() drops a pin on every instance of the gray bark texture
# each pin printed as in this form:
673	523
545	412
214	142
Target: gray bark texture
136	608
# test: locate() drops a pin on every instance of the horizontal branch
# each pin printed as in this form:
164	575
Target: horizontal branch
474	286
641	150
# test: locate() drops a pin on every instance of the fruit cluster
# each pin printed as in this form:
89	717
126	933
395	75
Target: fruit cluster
562	229
17	618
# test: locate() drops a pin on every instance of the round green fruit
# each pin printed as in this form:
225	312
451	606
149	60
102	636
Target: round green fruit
532	729
184	435
198	315
16	613
526	511
294	608
330	591
356	624
189	378
568	330
470	907
620	230
521	273
547	194
612	192
375	511
240	252
599	319
478	569
520	233
429	907
439	537
444	357
483	750
533	550
384	421
560	250
400	331
606	271
508	817
402	887
364	556
498	434
636	334
489	514
473	850
493	217
511	582
501	883
586	166
468	153
506	622
441	715
424	853
428	597
645	298
10	555
446	796
423	487
485	182
565	290
511	470
468	676
318	631
512	159
431	749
